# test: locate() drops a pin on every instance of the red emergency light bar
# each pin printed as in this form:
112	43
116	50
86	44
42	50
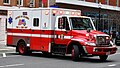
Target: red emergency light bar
78	13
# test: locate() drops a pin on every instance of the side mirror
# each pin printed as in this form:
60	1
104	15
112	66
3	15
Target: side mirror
88	30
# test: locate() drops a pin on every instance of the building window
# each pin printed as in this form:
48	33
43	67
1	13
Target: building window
20	2
117	3
40	3
6	1
36	22
32	3
81	0
107	2
96	1
61	25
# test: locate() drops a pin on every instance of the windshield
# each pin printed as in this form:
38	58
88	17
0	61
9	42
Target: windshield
81	23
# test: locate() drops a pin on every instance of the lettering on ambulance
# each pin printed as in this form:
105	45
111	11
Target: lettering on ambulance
22	21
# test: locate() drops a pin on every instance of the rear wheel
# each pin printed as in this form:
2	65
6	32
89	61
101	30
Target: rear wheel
22	49
103	57
75	53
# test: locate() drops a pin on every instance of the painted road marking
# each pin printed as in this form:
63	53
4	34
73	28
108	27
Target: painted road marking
11	56
112	65
4	55
12	65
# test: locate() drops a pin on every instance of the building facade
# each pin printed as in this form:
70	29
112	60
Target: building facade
105	13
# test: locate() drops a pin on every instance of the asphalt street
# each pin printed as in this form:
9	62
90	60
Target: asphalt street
37	60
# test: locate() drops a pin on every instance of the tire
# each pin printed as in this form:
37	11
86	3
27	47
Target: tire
22	49
103	57
75	53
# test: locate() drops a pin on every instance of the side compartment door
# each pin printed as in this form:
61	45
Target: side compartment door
35	30
45	30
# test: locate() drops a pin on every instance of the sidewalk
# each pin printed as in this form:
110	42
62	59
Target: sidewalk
4	48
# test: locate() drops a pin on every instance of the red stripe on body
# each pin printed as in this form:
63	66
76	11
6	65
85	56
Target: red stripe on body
30	31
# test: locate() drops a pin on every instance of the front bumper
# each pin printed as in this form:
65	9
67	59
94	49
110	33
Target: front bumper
100	50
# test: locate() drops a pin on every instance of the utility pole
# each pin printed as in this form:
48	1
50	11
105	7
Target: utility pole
99	7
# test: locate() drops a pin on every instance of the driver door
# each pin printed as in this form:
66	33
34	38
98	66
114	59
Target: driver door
63	31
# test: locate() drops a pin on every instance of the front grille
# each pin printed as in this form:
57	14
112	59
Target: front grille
102	41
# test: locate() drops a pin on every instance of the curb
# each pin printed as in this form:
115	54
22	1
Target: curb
7	50
6	54
4	48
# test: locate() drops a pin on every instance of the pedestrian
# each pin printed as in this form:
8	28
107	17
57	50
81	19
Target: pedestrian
113	36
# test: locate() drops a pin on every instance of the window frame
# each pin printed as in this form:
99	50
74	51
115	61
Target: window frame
61	25
40	3
32	3
117	3
21	4
6	3
64	27
107	2
34	22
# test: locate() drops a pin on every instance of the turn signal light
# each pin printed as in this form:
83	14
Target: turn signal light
9	12
54	11
61	12
46	12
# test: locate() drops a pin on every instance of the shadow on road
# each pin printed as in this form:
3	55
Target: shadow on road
67	58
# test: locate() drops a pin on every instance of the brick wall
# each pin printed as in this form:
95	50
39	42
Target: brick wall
89	0
26	3
112	2
102	1
36	3
1	2
13	2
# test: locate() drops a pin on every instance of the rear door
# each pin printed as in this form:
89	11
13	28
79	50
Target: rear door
45	30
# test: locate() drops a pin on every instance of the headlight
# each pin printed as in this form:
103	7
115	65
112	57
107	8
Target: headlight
90	43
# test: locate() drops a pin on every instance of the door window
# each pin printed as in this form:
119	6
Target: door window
63	23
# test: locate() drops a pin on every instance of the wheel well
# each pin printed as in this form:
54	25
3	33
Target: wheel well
21	40
69	48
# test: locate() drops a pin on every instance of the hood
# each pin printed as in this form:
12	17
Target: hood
84	32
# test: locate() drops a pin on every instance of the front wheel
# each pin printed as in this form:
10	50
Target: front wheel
103	57
75	53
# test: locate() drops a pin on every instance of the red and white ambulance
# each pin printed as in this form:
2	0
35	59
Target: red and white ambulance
56	31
